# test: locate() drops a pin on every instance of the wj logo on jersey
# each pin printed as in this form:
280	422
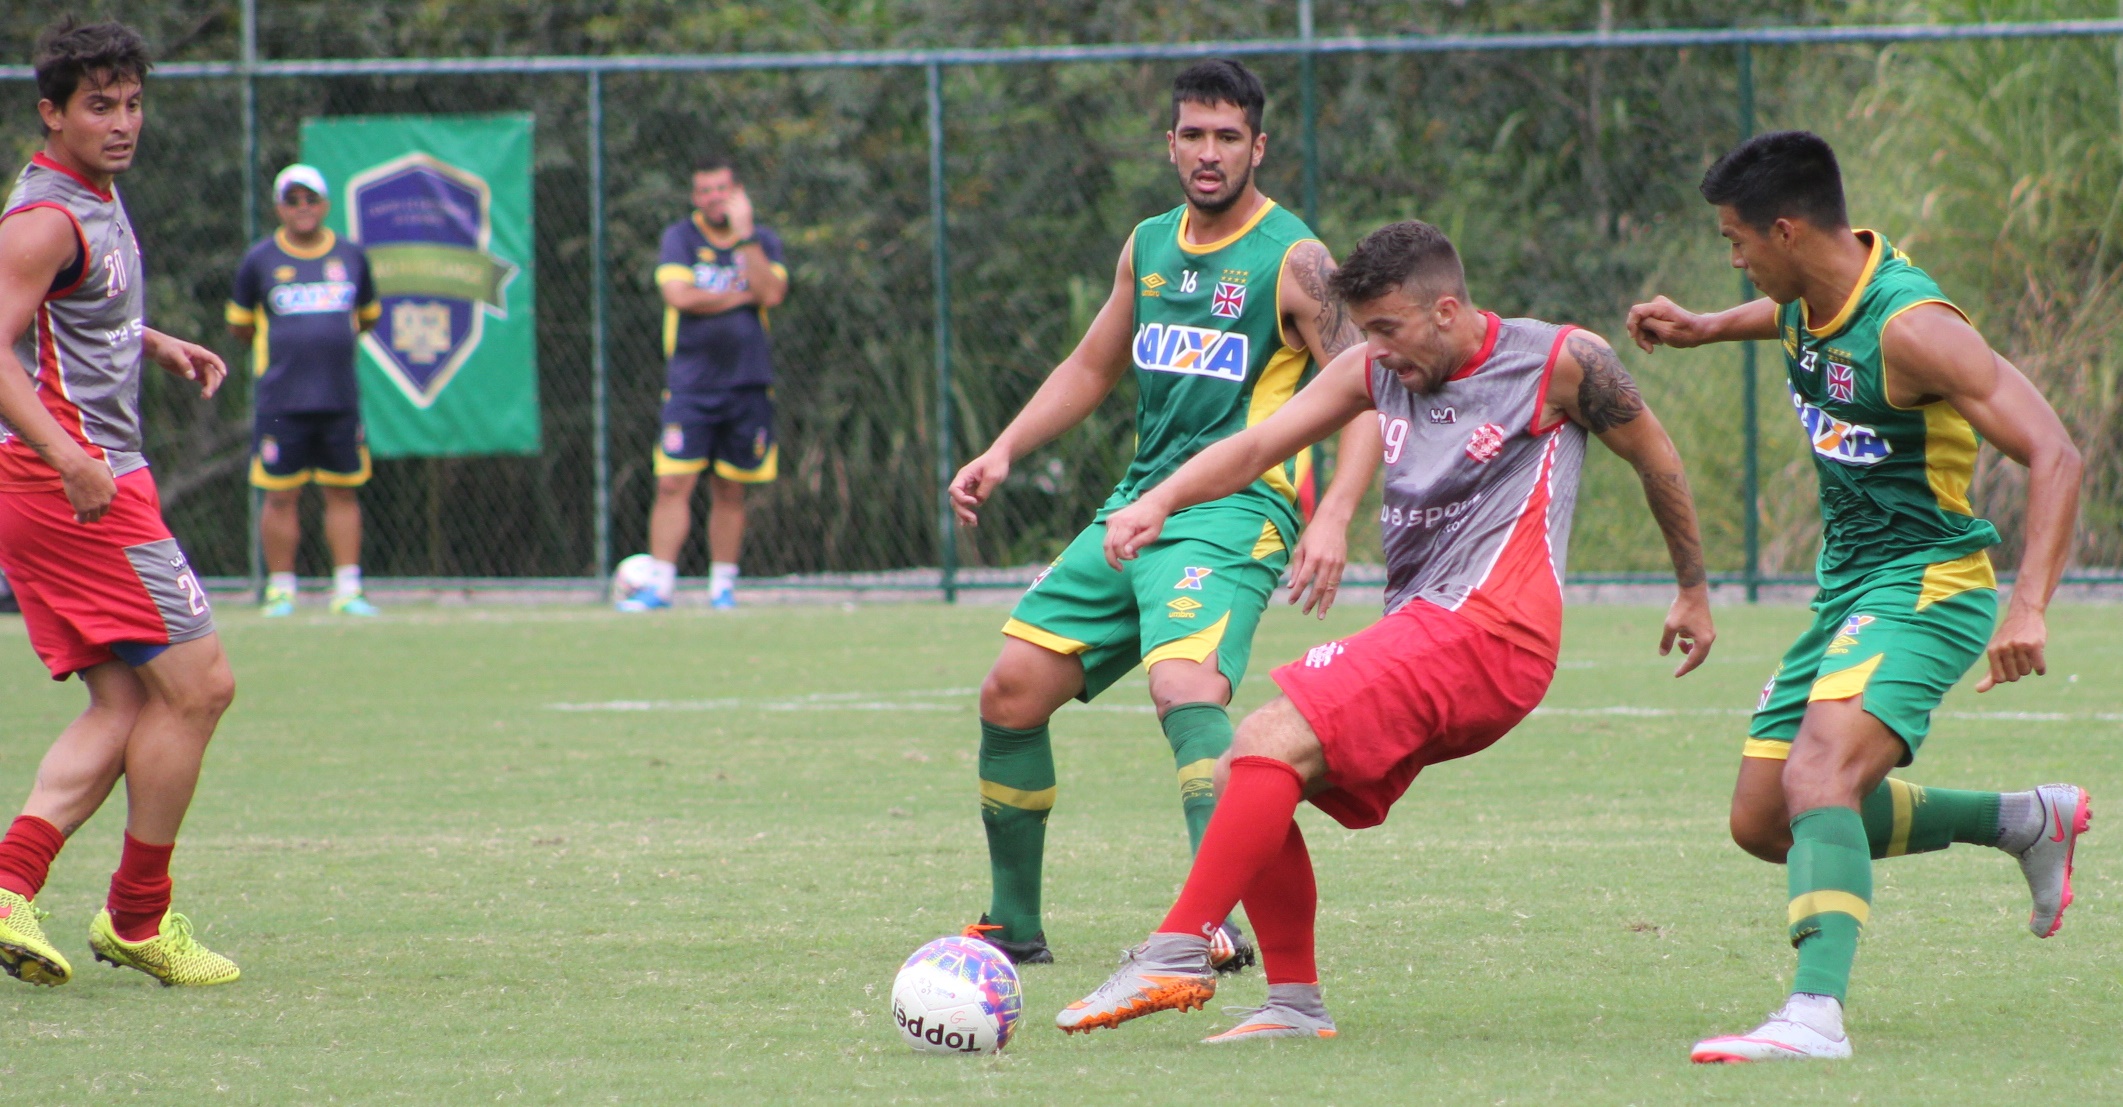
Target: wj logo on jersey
1319	657
1194	578
1194	351
1837	440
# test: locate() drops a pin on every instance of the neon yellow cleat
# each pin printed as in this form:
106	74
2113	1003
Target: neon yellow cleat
25	952
171	956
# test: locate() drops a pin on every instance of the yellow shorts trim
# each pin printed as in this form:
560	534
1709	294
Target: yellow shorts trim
1195	647
355	479
761	473
1850	682
1270	541
1197	778
1767	749
1948	579
1829	902
262	479
667	466
1018	628
1006	796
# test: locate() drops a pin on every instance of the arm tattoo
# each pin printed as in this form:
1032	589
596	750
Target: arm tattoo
1311	264
1607	397
1674	508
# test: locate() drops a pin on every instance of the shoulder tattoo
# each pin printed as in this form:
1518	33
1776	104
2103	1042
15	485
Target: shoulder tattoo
1311	264
1607	397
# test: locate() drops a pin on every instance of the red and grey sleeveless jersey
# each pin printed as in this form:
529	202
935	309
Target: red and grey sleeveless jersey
1478	491
83	346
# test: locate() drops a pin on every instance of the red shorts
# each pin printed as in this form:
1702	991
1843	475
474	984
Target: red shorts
1420	686
87	586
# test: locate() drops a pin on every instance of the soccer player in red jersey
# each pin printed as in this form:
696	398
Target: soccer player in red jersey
1485	422
105	591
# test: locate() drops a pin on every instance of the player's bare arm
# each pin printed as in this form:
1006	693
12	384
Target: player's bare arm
188	360
699	301
35	245
769	286
1665	323
1322	321
1591	388
1072	391
1332	401
1930	353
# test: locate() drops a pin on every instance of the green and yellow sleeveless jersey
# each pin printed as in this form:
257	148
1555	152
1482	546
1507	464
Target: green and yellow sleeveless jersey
1894	481
1210	355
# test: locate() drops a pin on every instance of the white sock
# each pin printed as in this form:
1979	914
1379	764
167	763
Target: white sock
346	581
280	582
721	575
663	576
1822	1013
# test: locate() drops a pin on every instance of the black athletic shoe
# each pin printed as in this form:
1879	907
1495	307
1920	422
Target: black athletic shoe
1230	951
1034	952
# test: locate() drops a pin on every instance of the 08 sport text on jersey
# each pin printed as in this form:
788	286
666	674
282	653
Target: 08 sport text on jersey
1479	492
1894	481
84	346
1209	352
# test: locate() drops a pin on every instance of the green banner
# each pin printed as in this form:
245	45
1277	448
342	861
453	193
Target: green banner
442	203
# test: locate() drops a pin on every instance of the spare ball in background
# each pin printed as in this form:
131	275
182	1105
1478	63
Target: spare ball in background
957	995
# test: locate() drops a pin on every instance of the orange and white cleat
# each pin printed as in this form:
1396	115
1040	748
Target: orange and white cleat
2066	811
1289	1013
1807	1028
1170	972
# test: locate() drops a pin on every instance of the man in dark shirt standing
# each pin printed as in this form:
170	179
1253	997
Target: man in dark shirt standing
302	299
719	274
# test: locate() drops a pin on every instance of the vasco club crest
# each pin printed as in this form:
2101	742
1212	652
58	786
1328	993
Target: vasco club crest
425	225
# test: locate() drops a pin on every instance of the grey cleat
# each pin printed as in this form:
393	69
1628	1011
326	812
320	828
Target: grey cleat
1169	972
2065	811
1283	1016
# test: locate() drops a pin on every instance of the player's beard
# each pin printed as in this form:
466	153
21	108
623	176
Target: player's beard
1221	204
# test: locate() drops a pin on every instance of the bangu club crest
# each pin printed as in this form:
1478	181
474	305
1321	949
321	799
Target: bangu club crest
426	226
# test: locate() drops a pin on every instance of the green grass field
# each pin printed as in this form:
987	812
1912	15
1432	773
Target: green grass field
444	888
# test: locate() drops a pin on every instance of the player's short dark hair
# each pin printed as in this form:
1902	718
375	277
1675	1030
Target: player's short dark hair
1220	81
71	50
1780	175
1399	255
714	163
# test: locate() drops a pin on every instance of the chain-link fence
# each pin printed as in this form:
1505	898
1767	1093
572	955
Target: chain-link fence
1564	166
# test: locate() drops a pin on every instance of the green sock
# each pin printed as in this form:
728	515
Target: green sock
1016	792
1830	874
1901	817
1199	734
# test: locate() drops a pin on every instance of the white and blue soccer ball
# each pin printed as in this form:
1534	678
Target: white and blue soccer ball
632	575
957	995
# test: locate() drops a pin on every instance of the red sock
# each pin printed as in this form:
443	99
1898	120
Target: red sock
140	889
26	855
1247	831
1281	905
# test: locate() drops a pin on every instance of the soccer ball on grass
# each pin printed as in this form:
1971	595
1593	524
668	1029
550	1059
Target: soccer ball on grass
632	574
957	995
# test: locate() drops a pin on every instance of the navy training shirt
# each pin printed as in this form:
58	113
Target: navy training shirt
308	307
713	353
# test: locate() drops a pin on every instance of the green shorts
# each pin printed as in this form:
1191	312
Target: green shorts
1899	639
1199	589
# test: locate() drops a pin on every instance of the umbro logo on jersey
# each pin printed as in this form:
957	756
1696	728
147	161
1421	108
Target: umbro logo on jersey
1228	301
1195	351
1193	578
1155	280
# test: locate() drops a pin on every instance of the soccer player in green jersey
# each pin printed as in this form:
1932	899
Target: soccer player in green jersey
1221	308
1893	387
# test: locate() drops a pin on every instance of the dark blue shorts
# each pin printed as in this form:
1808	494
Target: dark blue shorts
733	431
289	451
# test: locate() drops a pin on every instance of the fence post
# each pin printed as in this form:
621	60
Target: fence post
1750	431
1308	85
253	498
946	533
600	421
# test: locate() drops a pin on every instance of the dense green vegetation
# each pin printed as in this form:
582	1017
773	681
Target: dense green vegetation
1568	180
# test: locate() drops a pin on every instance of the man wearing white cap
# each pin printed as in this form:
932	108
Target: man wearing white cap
302	299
